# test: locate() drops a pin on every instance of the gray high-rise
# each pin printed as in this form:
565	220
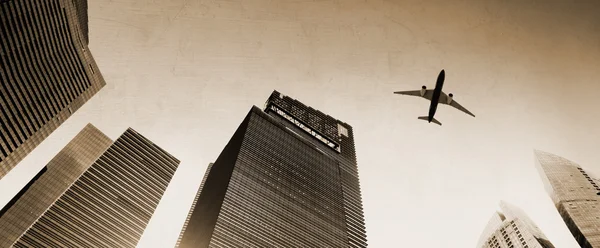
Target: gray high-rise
512	228
46	72
94	193
287	178
575	194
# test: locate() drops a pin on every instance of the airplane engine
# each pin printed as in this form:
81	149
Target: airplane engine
450	98
423	90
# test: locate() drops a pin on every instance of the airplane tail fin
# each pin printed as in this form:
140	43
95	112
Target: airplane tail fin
426	118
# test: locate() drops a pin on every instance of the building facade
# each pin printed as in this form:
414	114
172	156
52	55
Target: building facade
94	193
512	228
287	178
46	72
575	194
187	220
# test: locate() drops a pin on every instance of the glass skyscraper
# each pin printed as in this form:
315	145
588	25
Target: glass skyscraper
93	193
512	228
287	178
46	72
575	194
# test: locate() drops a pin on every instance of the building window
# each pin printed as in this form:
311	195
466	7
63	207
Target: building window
342	130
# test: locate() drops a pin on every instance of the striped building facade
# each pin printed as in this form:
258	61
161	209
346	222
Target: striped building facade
94	193
287	178
187	220
46	72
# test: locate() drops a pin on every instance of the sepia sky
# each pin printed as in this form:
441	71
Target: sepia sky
185	73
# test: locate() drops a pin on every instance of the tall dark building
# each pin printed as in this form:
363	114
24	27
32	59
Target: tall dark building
287	178
94	193
46	72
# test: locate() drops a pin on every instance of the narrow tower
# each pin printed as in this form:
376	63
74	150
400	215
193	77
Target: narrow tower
575	194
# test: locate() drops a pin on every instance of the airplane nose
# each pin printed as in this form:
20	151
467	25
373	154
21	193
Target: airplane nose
442	76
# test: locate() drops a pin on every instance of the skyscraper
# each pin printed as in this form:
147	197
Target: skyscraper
187	220
94	193
46	72
575	194
512	228
287	178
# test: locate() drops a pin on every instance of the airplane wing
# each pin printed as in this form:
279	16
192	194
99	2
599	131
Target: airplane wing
428	93
453	103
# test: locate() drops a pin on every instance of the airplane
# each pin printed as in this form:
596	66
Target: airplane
435	96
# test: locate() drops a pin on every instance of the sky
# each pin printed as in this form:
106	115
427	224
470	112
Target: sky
184	73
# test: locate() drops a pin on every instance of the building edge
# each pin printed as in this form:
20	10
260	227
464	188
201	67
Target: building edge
191	211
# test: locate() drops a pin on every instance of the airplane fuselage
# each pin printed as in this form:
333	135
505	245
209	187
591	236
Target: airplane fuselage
439	84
